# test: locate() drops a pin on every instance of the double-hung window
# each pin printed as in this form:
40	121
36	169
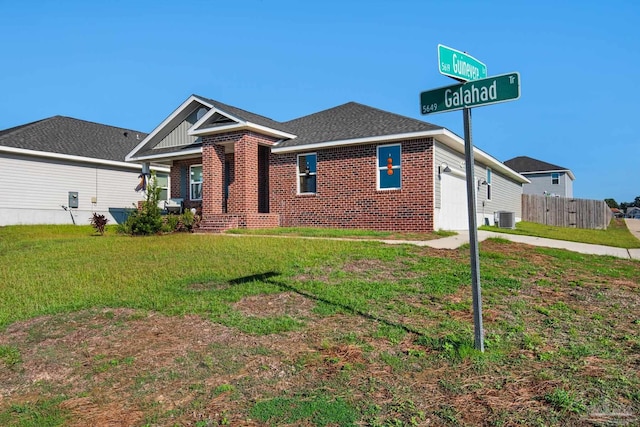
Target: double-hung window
195	182
389	167
555	178
488	184
307	173
162	182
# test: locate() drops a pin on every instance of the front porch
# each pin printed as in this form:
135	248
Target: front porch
234	185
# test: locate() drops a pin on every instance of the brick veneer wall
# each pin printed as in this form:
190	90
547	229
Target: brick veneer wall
346	194
179	185
243	187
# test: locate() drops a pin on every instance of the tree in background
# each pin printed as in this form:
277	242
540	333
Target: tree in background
611	203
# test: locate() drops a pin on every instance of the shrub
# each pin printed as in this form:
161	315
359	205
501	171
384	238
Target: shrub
99	222
148	219
171	223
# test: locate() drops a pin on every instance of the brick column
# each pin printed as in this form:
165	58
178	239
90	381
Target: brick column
243	197
212	178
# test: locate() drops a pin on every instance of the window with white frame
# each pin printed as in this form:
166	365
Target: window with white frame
389	167
195	182
555	178
488	183
307	173
162	182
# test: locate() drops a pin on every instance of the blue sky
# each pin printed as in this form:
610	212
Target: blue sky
131	63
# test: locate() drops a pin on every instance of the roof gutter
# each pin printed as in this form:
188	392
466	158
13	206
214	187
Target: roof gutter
81	159
567	171
442	135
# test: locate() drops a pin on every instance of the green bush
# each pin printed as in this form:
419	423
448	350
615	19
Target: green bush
171	223
148	219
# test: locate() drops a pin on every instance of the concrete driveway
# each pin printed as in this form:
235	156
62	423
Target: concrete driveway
634	226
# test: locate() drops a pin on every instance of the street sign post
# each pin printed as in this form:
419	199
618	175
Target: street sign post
459	65
476	90
476	93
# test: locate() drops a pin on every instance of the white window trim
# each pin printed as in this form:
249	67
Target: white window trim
168	187
489	178
557	178
384	168
194	182
300	173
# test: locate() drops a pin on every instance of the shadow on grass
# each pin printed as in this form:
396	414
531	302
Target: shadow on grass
269	276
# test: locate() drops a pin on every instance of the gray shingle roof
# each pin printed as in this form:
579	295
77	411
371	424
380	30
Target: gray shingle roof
525	164
66	135
245	115
351	121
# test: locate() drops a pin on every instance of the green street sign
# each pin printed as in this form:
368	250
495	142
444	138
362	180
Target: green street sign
476	93
459	65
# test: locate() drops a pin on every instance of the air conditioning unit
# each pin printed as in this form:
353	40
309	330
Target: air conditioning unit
506	219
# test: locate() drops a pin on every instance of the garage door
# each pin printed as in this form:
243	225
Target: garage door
453	203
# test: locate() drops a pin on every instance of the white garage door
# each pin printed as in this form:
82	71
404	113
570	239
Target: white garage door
453	203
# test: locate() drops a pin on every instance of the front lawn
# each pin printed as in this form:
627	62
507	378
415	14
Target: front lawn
207	330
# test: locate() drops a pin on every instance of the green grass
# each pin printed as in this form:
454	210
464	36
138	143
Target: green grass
342	233
40	413
616	235
318	411
387	338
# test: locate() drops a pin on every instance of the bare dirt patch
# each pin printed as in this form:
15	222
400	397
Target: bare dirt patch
286	303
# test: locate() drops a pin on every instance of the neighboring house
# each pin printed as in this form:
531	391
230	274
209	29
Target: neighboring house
60	170
633	212
351	166
546	178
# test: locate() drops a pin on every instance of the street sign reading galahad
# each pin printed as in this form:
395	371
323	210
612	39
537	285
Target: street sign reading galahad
476	93
459	65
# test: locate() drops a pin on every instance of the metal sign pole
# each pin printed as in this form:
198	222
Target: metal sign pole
473	232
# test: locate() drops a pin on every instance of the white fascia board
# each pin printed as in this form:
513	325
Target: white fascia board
72	158
241	125
357	141
456	143
170	155
131	156
546	172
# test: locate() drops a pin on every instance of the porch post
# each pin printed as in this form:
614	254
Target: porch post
243	197
212	178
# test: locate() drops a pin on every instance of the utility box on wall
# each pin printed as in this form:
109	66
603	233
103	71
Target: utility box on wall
73	199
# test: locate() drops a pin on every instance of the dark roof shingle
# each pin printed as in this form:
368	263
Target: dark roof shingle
245	115
66	135
351	121
523	164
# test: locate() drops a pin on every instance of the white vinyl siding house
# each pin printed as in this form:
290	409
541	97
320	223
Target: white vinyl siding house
35	189
42	162
450	189
545	184
546	178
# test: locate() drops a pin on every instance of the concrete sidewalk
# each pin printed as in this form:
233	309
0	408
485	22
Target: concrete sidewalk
462	237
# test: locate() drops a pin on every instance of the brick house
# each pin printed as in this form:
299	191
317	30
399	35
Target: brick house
351	166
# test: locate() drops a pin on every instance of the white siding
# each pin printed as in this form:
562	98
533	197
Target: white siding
541	183
33	190
506	194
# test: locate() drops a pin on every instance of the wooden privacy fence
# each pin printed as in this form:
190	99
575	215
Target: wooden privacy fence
565	212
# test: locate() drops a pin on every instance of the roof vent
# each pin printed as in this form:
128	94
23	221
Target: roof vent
200	113
126	134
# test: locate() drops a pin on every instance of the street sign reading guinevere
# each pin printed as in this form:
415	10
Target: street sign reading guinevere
459	65
476	93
